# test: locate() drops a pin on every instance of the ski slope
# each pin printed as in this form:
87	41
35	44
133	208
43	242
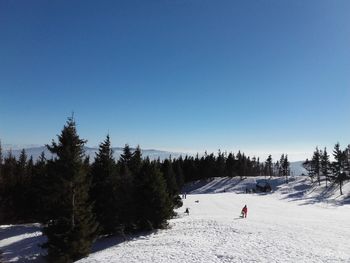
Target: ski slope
298	222
275	231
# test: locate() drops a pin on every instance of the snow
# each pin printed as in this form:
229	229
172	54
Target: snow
298	222
20	243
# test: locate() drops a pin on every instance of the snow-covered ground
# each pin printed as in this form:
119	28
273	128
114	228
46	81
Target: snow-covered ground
298	222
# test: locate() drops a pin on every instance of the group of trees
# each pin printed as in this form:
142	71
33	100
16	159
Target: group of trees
322	169
77	199
231	165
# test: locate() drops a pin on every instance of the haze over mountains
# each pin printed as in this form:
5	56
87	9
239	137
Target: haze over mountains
35	152
91	152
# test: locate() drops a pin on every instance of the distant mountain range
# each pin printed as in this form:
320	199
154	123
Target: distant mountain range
35	152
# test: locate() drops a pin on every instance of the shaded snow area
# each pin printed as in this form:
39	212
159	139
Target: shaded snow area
20	243
298	222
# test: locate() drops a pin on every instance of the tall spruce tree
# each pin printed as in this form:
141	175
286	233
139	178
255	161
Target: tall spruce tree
135	161
72	228
268	166
338	167
285	166
126	189
230	165
153	203
325	165
104	187
316	165
170	179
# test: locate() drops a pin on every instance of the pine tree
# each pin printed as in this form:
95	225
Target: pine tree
72	229
7	205
325	165
126	156
38	191
153	203
268	165
338	166
308	167
230	165
104	187
316	165
135	161
170	179
285	167
220	164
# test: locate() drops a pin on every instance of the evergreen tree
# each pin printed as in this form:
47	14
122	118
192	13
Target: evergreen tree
8	207
308	167
170	179
338	166
285	167
230	165
179	172
316	165
153	203
325	165
104	187
126	190
281	167
220	164
72	229
126	156
268	165
135	161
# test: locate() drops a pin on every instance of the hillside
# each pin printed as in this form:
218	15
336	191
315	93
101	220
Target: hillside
296	222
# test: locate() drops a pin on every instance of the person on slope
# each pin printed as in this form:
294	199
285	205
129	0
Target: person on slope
244	211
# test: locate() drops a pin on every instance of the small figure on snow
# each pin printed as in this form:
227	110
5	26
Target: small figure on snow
244	211
187	211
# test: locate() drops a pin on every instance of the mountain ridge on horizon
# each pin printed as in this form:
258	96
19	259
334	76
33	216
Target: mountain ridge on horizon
153	154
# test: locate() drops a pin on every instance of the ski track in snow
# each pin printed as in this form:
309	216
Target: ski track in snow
275	231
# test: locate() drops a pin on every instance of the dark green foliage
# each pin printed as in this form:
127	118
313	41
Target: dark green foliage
268	166
180	180
135	161
336	172
316	164
325	165
153	203
103	191
339	174
71	229
230	165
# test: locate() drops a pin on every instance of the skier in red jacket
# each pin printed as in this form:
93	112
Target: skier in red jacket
244	211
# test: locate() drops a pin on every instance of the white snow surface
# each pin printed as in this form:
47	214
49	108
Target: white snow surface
279	228
297	222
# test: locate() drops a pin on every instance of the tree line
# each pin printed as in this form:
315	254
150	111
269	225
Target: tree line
78	200
320	168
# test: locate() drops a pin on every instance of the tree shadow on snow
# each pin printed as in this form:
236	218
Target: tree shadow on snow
26	249
17	230
311	194
106	242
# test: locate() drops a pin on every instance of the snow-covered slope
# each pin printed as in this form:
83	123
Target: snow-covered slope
297	222
275	231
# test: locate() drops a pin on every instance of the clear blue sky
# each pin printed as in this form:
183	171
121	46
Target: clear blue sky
260	76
